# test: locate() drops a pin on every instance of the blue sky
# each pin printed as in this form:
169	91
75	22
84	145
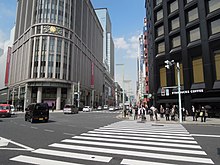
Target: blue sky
127	24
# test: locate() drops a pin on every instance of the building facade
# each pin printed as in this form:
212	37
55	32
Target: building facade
188	32
108	55
58	45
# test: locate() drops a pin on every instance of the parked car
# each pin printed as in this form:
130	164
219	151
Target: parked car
111	108
37	112
68	108
87	109
99	108
12	109
5	110
105	107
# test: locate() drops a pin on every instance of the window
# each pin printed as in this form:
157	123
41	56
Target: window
214	5
188	1
173	6
163	77
194	35
175	23
215	26
176	42
198	76
159	15
158	2
193	15
217	65
160	31
181	76
161	47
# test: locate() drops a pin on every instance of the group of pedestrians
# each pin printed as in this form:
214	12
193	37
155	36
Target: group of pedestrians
169	113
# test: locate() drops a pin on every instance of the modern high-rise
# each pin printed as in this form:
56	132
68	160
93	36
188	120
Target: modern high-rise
108	54
58	48
188	32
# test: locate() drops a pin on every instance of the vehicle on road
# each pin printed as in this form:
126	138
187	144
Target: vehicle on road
70	109
5	110
111	108
105	107
37	112
12	109
87	109
99	108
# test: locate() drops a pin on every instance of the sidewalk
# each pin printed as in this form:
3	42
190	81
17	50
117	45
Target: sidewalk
189	120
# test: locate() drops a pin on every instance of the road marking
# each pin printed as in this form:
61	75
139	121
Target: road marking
23	125
204	135
139	162
73	155
33	160
69	134
48	130
142	135
132	153
34	127
7	141
139	142
141	147
141	138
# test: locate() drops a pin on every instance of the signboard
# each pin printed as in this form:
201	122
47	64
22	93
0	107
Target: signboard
162	91
167	92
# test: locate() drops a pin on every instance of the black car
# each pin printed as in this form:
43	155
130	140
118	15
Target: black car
37	112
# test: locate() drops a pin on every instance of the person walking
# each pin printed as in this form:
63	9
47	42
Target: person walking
193	112
135	113
161	111
202	114
151	113
167	114
156	113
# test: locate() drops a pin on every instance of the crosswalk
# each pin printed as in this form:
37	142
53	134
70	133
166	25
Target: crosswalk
124	143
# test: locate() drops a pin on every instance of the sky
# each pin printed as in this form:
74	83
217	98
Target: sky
127	17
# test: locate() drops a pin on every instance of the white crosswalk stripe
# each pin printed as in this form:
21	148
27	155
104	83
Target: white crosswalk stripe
134	143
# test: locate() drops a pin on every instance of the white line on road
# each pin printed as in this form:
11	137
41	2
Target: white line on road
204	135
69	134
33	160
139	162
74	155
132	153
34	127
141	147
48	130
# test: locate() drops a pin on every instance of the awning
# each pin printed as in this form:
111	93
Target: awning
206	100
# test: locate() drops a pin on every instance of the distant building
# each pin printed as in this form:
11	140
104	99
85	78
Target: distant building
188	32
57	44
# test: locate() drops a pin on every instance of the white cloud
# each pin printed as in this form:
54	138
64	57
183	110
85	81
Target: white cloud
129	46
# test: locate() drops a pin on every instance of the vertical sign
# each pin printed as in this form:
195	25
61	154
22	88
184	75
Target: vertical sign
7	66
92	76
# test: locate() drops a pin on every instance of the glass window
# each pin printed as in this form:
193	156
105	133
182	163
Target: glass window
158	2
193	15
176	41
214	5
160	30
217	65
175	23
181	76
163	77
161	47
159	15
174	6
215	26
198	76
194	35
188	1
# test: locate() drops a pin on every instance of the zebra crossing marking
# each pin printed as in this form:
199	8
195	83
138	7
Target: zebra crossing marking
41	161
140	162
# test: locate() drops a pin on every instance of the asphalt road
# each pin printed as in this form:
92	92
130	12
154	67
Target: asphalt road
110	140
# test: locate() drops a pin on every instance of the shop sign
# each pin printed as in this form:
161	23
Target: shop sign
189	91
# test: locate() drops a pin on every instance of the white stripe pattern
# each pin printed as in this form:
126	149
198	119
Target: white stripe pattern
142	143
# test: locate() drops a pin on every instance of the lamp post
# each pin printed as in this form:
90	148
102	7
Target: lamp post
123	95
168	65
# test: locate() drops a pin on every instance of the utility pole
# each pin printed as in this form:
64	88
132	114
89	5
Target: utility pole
78	92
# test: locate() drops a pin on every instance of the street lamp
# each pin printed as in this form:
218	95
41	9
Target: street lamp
123	95
168	65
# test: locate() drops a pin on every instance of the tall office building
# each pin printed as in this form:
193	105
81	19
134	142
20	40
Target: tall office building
188	32
108	54
58	47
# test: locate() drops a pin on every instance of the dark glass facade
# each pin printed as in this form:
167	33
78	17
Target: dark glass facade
188	33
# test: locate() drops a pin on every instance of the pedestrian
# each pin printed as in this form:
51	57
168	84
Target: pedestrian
196	114
161	111
151	113
53	107
167	114
173	113
143	113
193	112
184	114
135	112
156	113
202	114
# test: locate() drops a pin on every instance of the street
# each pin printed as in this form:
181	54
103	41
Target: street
95	138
